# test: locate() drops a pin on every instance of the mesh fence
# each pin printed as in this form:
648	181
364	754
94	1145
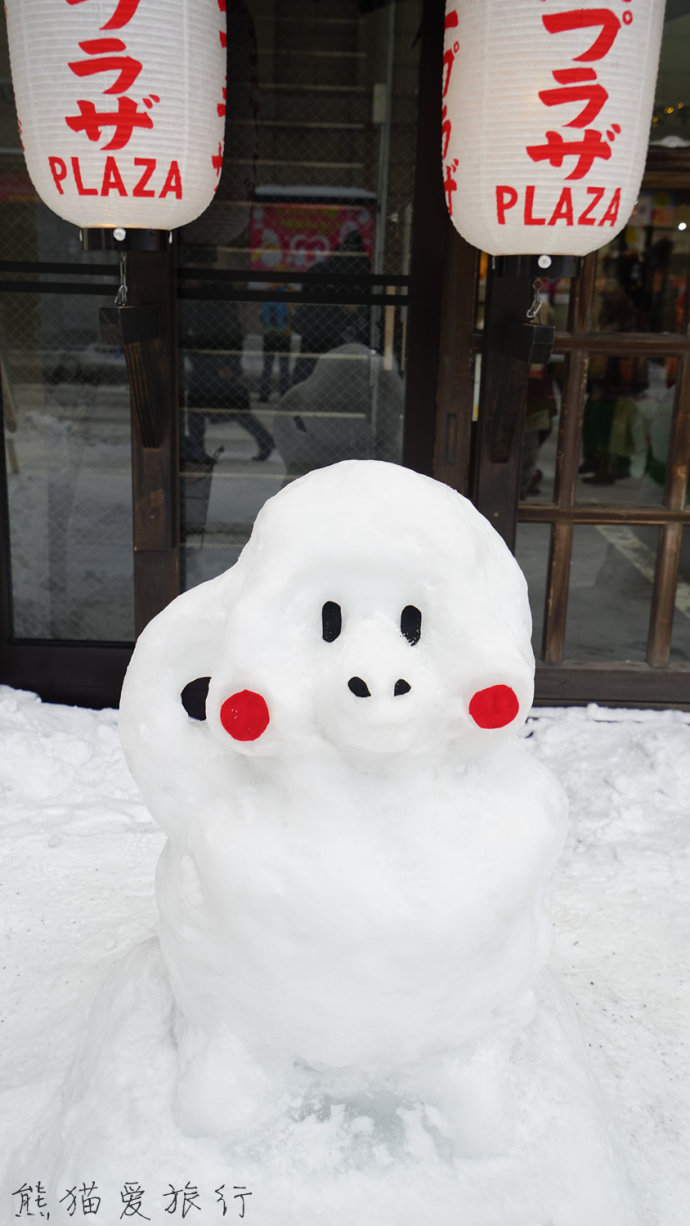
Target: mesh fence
293	360
301	362
67	448
65	402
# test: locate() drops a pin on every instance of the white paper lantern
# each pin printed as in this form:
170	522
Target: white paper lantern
546	112
121	106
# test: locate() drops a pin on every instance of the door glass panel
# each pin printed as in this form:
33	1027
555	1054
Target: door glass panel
657	407
540	440
67	450
626	429
680	640
65	408
642	275
611	580
532	552
286	362
641	282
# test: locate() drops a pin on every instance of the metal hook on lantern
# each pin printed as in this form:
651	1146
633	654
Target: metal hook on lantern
514	342
121	295
138	330
534	310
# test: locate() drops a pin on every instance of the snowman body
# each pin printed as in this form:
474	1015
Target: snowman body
354	894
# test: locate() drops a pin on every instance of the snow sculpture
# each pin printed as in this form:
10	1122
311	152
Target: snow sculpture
350	374
354	893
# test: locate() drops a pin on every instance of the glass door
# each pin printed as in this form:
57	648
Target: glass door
601	517
294	285
302	325
606	478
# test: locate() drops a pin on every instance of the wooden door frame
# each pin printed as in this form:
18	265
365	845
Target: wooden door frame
91	673
658	682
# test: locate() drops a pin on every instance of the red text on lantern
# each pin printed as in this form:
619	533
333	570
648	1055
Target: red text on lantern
124	120
451	23
577	85
140	177
221	107
109	56
582	19
123	14
578	90
586	206
591	146
106	57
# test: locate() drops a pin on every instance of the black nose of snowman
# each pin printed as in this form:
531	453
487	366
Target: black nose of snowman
361	690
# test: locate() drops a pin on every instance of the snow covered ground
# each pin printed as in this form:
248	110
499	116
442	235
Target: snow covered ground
77	867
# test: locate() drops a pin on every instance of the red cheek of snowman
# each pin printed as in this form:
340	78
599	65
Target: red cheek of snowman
495	707
245	715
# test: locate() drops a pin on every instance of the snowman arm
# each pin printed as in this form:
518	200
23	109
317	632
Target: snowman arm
160	741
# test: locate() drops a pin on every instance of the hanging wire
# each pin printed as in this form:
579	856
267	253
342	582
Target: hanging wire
121	296
534	311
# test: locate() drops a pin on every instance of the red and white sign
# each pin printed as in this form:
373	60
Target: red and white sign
121	106
293	236
546	112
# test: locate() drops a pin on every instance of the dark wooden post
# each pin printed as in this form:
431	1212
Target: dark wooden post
514	341
152	365
502	404
144	321
146	327
431	232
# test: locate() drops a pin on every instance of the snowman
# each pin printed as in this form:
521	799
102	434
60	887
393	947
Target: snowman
354	895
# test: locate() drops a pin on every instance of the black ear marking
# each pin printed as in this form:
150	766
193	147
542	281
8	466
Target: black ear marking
193	697
411	624
331	621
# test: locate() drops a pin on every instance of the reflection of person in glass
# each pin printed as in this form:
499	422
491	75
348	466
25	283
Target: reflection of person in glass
326	325
540	411
275	320
211	372
612	386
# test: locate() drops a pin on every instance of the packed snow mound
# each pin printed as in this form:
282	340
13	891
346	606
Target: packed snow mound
348	375
358	847
78	859
354	896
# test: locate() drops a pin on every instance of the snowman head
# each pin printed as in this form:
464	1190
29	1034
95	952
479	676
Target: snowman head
377	611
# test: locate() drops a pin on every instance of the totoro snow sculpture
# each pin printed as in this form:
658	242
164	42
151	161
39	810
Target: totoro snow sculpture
354	894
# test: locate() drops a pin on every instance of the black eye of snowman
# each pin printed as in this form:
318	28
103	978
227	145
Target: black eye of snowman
331	621
411	624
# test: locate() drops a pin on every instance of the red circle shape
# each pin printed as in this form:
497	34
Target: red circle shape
494	707
244	715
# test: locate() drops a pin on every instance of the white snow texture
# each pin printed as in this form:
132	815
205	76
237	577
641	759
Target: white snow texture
347	1008
354	894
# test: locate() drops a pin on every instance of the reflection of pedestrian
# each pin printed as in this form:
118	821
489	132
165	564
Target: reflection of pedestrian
211	375
327	325
612	385
540	411
275	318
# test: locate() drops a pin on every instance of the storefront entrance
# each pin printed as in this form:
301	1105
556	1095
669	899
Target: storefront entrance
322	309
284	337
